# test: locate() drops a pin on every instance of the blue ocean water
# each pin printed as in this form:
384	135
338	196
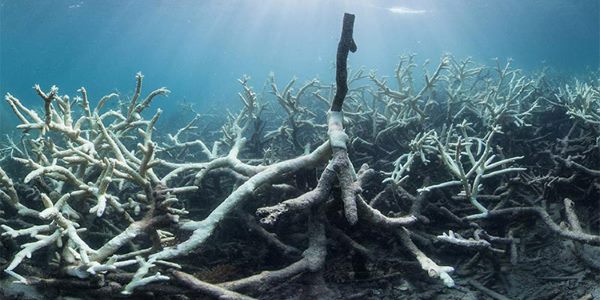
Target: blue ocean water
199	48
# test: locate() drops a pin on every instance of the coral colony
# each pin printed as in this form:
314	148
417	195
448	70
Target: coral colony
104	205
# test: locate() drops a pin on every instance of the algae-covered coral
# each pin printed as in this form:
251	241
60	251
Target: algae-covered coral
459	167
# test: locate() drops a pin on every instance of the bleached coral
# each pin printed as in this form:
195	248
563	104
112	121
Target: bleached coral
82	156
107	171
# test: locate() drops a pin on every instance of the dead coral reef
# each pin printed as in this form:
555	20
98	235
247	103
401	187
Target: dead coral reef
448	180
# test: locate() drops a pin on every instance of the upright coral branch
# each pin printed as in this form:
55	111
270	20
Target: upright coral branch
47	97
345	45
337	137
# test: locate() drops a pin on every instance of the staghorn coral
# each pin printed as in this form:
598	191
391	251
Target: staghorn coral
82	158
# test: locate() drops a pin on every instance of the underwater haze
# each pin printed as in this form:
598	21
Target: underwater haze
198	49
